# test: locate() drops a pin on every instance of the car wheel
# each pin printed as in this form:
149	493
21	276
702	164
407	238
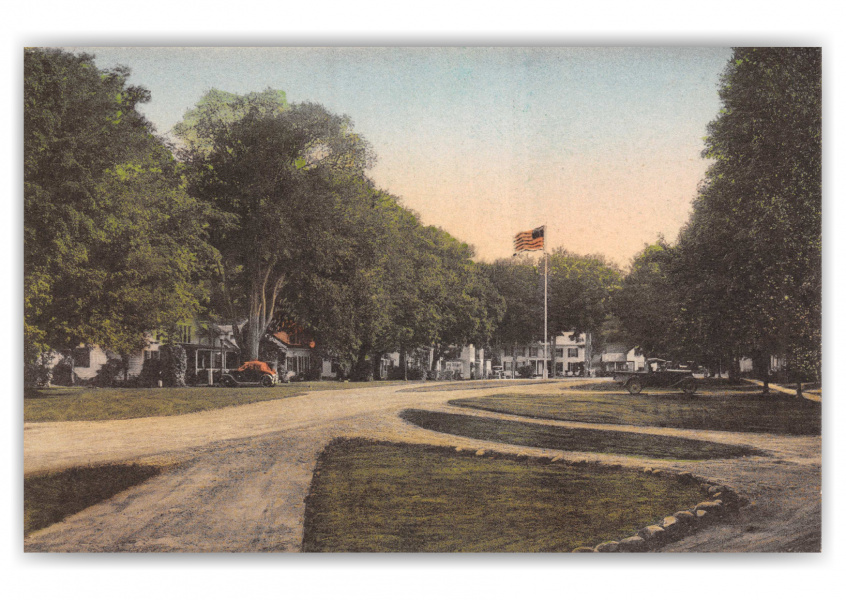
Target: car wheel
688	386
635	386
267	381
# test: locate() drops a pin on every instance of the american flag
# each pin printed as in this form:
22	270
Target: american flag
529	240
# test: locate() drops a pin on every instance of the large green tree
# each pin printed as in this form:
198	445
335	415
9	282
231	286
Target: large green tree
270	169
647	304
113	245
382	282
750	259
579	292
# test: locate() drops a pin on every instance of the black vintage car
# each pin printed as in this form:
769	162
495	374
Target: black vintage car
659	375
251	372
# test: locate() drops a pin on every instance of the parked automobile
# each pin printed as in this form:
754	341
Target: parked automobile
253	372
659	376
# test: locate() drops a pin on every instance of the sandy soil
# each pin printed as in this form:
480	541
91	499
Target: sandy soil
242	473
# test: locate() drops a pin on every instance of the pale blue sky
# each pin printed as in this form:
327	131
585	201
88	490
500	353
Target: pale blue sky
600	144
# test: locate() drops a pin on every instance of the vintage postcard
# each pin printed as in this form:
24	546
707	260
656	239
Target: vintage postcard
422	299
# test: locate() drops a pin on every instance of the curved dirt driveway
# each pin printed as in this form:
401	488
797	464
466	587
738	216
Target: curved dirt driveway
243	473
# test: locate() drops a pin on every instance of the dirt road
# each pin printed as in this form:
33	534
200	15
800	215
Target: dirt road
242	473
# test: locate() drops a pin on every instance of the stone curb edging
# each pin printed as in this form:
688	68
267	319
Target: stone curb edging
723	501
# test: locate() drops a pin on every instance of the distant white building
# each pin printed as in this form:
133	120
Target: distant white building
572	356
618	357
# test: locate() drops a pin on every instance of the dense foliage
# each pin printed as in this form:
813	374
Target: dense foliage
113	245
745	277
270	217
580	289
304	235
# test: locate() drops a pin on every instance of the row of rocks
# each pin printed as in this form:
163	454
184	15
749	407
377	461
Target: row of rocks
722	501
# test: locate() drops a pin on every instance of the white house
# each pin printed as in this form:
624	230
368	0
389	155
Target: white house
572	356
618	357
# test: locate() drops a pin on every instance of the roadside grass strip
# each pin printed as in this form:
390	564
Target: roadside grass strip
702	384
103	404
383	497
569	439
437	386
776	413
51	497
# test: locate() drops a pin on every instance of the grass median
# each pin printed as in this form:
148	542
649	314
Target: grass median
754	413
702	384
573	439
51	497
102	404
381	497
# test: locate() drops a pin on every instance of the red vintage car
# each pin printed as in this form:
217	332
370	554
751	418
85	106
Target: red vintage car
251	372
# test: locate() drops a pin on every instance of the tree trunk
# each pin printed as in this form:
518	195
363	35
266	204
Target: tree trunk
404	361
551	357
733	369
376	363
252	338
761	362
362	369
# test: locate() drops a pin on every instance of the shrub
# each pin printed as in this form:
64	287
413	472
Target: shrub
39	374
63	372
151	373
174	365
526	371
109	373
315	370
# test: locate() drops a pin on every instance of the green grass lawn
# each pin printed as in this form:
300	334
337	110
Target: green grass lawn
572	439
702	384
101	404
775	413
51	497
380	497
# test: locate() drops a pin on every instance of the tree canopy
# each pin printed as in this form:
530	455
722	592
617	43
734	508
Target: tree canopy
579	292
268	168
755	236
745	276
304	234
113	245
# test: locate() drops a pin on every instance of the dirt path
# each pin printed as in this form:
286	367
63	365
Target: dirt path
244	473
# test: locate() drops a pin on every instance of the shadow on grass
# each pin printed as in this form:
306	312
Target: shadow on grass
573	439
382	497
51	497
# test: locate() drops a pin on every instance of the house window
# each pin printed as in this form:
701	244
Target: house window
82	357
533	352
184	334
148	354
572	353
298	364
559	353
